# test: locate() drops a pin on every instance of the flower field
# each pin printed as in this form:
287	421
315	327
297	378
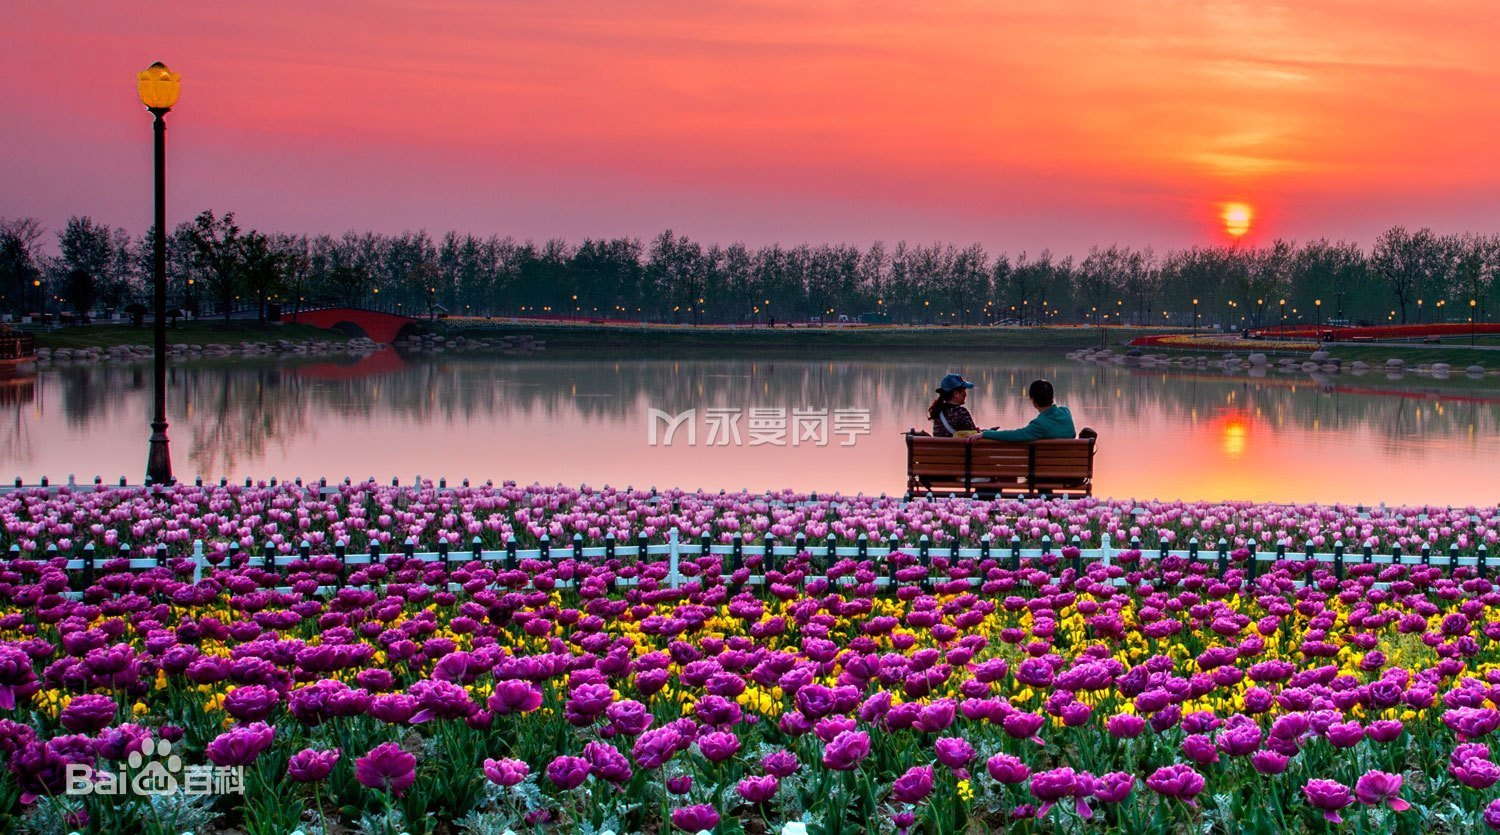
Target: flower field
943	687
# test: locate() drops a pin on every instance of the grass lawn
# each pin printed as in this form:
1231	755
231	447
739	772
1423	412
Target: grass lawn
569	337
201	332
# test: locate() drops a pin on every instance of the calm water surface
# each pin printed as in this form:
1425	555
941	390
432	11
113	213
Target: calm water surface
1177	434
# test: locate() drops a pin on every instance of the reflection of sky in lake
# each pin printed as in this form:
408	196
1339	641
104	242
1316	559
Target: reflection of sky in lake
1162	434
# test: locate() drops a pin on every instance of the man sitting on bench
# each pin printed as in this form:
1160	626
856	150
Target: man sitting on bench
1053	420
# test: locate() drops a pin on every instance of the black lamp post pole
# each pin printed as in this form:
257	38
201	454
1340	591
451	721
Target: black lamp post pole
159	460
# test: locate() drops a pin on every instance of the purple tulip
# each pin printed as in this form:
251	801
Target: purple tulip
1376	787
1113	787
695	818
1176	781
311	765
1492	815
758	789
1007	769
1269	762
846	750
654	747
506	772
607	763
780	763
1052	786
1328	796
386	768
1022	725
954	752
680	785
718	746
1476	773
512	696
89	713
568	772
251	703
1125	726
914	786
240	746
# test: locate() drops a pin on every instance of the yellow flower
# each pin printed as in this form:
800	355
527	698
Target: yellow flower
965	791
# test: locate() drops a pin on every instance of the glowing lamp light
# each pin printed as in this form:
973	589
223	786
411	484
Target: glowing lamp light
158	87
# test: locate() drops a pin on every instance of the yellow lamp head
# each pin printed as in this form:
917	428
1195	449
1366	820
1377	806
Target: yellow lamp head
158	87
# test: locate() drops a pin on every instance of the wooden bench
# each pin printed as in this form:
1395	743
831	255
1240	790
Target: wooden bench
976	466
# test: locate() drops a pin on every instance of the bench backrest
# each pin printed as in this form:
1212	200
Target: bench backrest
967	465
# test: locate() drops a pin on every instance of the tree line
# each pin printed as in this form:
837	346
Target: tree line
214	267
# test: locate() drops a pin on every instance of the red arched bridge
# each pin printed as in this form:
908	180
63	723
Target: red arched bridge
354	321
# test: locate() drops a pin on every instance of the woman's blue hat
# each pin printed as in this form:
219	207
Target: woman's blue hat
953	382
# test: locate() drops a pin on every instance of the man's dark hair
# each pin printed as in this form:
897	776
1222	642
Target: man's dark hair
1040	393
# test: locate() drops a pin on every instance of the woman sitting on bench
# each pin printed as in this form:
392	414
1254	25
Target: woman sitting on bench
950	419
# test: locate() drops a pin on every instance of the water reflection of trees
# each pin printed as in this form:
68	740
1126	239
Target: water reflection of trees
235	410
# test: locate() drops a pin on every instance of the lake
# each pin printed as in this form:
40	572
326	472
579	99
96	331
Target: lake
1190	434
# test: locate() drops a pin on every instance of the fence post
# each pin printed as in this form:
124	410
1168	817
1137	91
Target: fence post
1426	555
862	548
198	561
830	551
799	542
737	552
609	546
1280	550
409	548
88	564
672	558
577	546
374	551
1223	556
640	548
1338	559
304	550
768	559
510	553
1015	552
924	552
123	552
1452	559
161	555
476	550
705	544
1077	544
443	554
544	548
341	553
1193	549
1105	550
1484	556
892	543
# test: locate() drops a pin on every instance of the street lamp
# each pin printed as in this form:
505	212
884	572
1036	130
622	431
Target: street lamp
1195	317
432	304
158	88
1283	313
1472	321
1318	317
41	303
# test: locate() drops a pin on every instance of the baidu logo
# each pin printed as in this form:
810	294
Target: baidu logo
155	771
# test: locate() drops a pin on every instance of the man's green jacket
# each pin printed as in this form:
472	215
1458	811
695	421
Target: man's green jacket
1052	422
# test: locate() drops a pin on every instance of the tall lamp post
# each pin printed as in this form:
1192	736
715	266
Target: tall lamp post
1195	317
158	88
1473	324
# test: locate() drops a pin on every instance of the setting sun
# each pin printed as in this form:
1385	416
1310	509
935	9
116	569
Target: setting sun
1237	219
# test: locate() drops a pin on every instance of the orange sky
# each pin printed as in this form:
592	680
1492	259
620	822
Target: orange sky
1020	126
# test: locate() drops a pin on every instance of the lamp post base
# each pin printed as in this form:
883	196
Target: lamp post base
159	459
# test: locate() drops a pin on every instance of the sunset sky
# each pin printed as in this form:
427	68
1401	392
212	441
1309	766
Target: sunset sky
1016	125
